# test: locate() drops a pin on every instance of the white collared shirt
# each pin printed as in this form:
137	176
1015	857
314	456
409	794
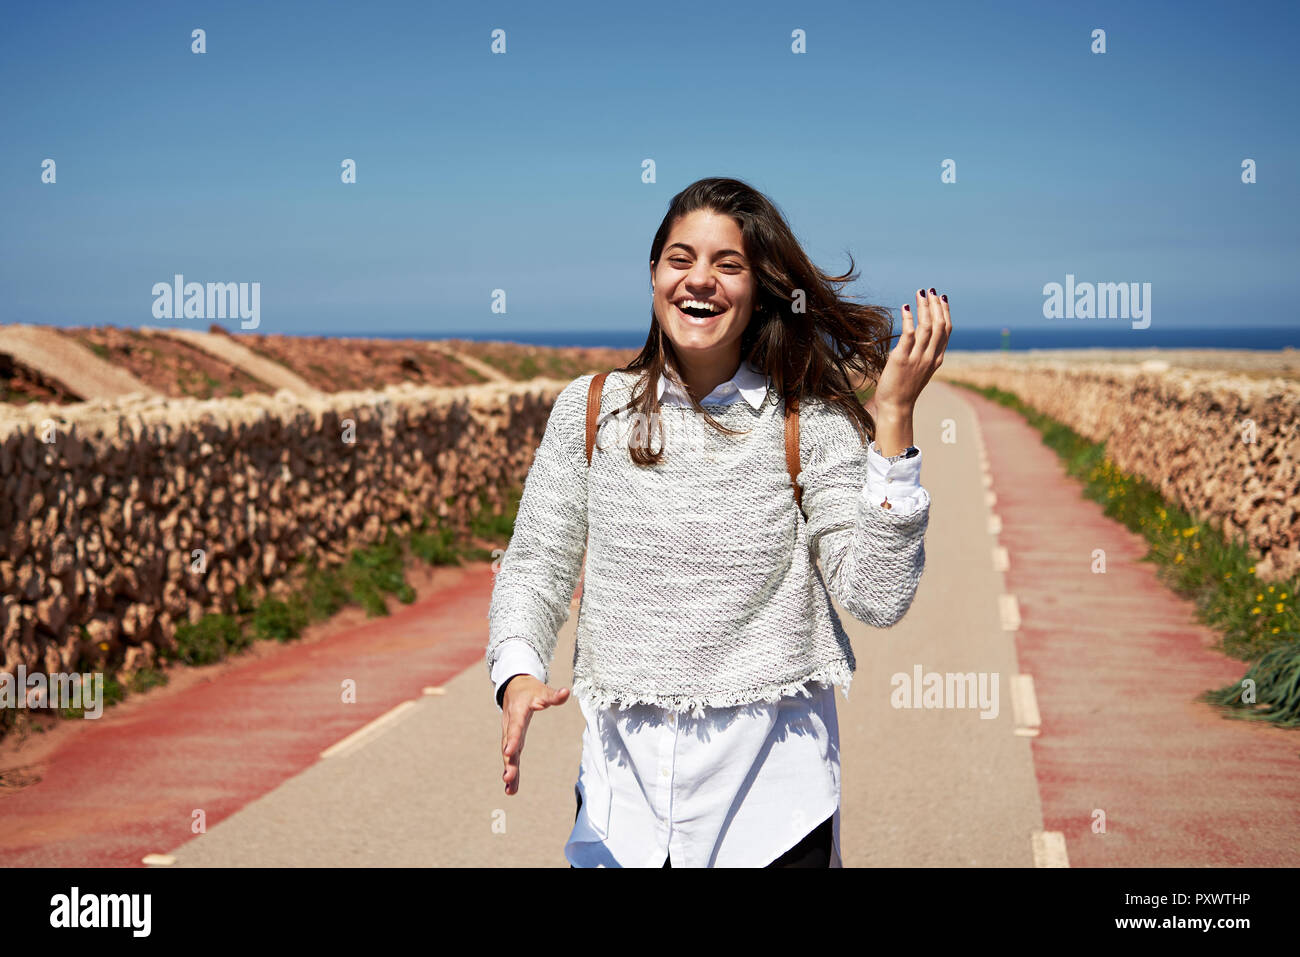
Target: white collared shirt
735	788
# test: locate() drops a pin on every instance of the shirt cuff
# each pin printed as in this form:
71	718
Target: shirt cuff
515	656
899	482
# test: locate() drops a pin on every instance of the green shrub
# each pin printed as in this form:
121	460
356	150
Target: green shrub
1277	689
371	572
324	592
113	693
1256	621
209	640
437	547
495	527
244	601
281	620
147	678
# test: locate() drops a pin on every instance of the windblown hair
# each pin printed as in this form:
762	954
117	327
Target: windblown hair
828	350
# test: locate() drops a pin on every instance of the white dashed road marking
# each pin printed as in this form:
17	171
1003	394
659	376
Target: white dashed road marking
1024	705
370	730
1049	849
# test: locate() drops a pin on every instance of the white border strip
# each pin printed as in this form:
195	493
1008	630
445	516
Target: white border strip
1024	705
1009	611
370	730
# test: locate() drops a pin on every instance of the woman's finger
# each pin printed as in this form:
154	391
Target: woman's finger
513	747
938	328
946	327
924	323
905	338
922	314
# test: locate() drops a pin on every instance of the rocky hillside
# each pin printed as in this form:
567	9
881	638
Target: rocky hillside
219	364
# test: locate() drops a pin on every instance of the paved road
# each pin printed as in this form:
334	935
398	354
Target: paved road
1118	661
922	787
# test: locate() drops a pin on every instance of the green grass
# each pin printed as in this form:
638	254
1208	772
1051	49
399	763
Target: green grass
371	573
281	620
484	523
210	639
1256	621
113	692
364	579
436	547
1274	684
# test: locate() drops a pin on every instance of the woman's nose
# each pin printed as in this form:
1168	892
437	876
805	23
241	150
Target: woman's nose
700	277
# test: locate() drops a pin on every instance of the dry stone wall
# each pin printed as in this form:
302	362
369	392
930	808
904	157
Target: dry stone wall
105	504
1224	447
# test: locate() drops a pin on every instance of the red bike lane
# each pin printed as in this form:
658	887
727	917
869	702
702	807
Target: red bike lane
1117	661
125	785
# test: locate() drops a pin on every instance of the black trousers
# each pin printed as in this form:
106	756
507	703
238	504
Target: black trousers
813	851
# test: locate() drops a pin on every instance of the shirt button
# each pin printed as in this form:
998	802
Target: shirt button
663	772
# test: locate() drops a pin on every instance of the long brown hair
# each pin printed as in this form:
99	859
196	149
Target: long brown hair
821	351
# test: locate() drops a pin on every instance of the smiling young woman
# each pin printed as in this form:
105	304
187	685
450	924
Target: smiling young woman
707	648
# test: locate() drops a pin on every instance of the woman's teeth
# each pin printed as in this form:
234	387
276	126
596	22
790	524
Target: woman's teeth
698	310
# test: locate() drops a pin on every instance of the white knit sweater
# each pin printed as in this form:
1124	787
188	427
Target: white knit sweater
701	588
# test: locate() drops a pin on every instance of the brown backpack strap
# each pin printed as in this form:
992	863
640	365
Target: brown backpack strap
792	449
593	409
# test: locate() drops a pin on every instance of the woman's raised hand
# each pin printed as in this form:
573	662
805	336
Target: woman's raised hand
917	354
523	695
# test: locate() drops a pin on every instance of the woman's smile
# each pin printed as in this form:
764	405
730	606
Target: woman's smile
699	312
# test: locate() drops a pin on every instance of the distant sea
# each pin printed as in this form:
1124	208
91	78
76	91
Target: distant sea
1044	337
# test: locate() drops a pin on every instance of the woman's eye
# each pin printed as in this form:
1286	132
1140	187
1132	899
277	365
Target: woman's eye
679	259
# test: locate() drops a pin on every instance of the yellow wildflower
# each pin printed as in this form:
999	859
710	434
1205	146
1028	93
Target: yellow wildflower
1255	610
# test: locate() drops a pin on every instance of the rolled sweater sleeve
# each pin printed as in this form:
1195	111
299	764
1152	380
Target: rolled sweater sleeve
534	585
873	557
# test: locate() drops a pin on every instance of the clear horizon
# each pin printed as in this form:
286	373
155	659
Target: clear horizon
522	171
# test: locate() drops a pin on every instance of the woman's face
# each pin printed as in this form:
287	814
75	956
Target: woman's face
703	261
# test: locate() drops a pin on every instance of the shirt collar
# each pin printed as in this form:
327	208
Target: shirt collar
748	381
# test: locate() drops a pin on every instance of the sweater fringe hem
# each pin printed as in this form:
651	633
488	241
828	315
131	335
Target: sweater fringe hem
837	673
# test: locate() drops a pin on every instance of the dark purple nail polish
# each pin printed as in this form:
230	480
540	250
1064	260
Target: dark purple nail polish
944	297
922	293
932	292
907	308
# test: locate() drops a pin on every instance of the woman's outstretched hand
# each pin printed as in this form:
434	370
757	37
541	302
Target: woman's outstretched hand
523	695
916	355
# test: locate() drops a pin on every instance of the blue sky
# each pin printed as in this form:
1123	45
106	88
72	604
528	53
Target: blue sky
522	171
